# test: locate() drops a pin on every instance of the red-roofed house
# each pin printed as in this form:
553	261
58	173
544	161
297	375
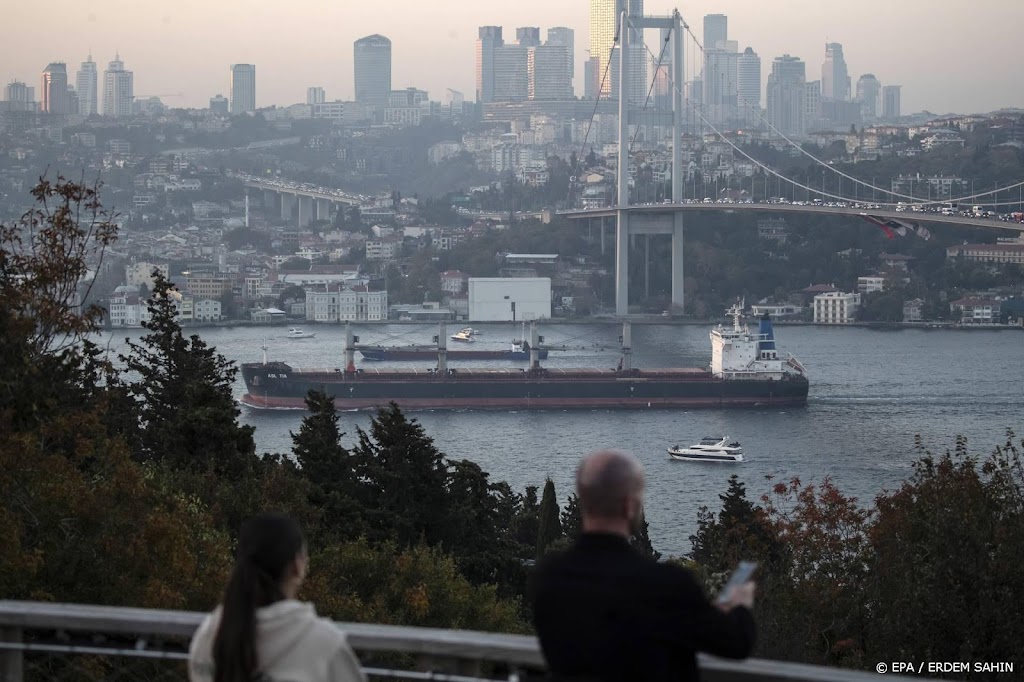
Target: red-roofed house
973	310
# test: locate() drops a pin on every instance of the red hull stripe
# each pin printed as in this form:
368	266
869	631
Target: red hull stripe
270	402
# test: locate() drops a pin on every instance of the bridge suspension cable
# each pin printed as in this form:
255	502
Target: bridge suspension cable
824	164
590	123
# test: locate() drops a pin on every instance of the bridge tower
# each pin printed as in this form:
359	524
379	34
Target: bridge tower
627	115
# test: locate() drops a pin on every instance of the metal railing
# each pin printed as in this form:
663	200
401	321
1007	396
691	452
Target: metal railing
48	641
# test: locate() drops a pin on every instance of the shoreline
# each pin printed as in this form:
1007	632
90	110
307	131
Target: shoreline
646	320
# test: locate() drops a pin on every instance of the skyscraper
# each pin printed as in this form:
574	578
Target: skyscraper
315	95
891	102
786	95
547	75
721	65
87	84
372	57
868	92
591	77
835	79
748	86
565	37
511	75
242	88
118	89
716	30
19	97
53	89
489	40
813	112
604	21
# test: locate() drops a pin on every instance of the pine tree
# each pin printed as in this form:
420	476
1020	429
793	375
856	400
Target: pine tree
640	540
328	466
572	519
550	528
185	404
403	480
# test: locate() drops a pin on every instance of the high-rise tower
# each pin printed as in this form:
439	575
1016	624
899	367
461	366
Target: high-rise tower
835	79
53	89
87	85
891	102
372	58
748	86
489	40
786	85
716	30
118	89
868	92
565	37
604	24
242	88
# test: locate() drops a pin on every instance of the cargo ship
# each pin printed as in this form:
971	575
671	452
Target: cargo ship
746	370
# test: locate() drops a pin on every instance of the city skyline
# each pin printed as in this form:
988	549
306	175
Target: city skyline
913	33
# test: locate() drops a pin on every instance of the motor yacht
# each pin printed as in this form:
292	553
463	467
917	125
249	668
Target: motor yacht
711	449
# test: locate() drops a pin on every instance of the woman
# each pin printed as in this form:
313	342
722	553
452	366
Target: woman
260	632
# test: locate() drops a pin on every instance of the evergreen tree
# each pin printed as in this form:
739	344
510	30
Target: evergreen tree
549	528
403	480
328	466
640	540
572	520
185	403
526	523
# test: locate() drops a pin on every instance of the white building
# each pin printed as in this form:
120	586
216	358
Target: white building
509	298
346	305
86	83
835	307
870	284
118	89
548	73
385	249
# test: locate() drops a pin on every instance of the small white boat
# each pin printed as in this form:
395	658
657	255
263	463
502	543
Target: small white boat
463	337
712	449
296	333
470	331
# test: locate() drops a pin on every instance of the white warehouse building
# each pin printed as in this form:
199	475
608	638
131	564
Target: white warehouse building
509	299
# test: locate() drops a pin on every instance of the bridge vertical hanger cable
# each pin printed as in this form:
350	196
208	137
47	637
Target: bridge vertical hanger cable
590	123
747	156
832	168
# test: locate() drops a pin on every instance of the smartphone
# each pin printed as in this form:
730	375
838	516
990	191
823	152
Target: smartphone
742	574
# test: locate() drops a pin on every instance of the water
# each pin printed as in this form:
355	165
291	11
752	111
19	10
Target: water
871	392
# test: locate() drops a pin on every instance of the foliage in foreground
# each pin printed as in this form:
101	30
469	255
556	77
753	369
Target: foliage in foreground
929	573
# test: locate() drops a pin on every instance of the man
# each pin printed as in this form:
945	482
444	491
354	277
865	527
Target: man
605	612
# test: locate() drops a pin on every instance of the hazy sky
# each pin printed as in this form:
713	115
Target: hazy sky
947	55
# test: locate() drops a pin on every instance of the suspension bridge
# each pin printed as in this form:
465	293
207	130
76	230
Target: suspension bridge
896	212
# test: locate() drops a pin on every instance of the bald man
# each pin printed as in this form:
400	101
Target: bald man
605	612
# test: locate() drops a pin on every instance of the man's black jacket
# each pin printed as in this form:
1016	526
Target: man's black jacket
605	612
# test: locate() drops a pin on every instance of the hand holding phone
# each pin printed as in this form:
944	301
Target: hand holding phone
742	575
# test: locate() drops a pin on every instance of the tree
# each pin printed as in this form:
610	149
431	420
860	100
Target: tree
549	528
186	407
403	480
572	520
328	466
640	539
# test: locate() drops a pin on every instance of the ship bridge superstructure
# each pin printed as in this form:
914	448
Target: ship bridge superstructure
739	353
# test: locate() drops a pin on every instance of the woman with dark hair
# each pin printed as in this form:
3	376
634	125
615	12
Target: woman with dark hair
261	633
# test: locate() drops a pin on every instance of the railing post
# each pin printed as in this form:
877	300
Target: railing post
11	660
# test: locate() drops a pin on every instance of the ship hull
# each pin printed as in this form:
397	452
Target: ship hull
277	386
430	354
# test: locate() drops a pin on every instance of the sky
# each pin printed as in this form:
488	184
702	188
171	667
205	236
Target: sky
947	55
